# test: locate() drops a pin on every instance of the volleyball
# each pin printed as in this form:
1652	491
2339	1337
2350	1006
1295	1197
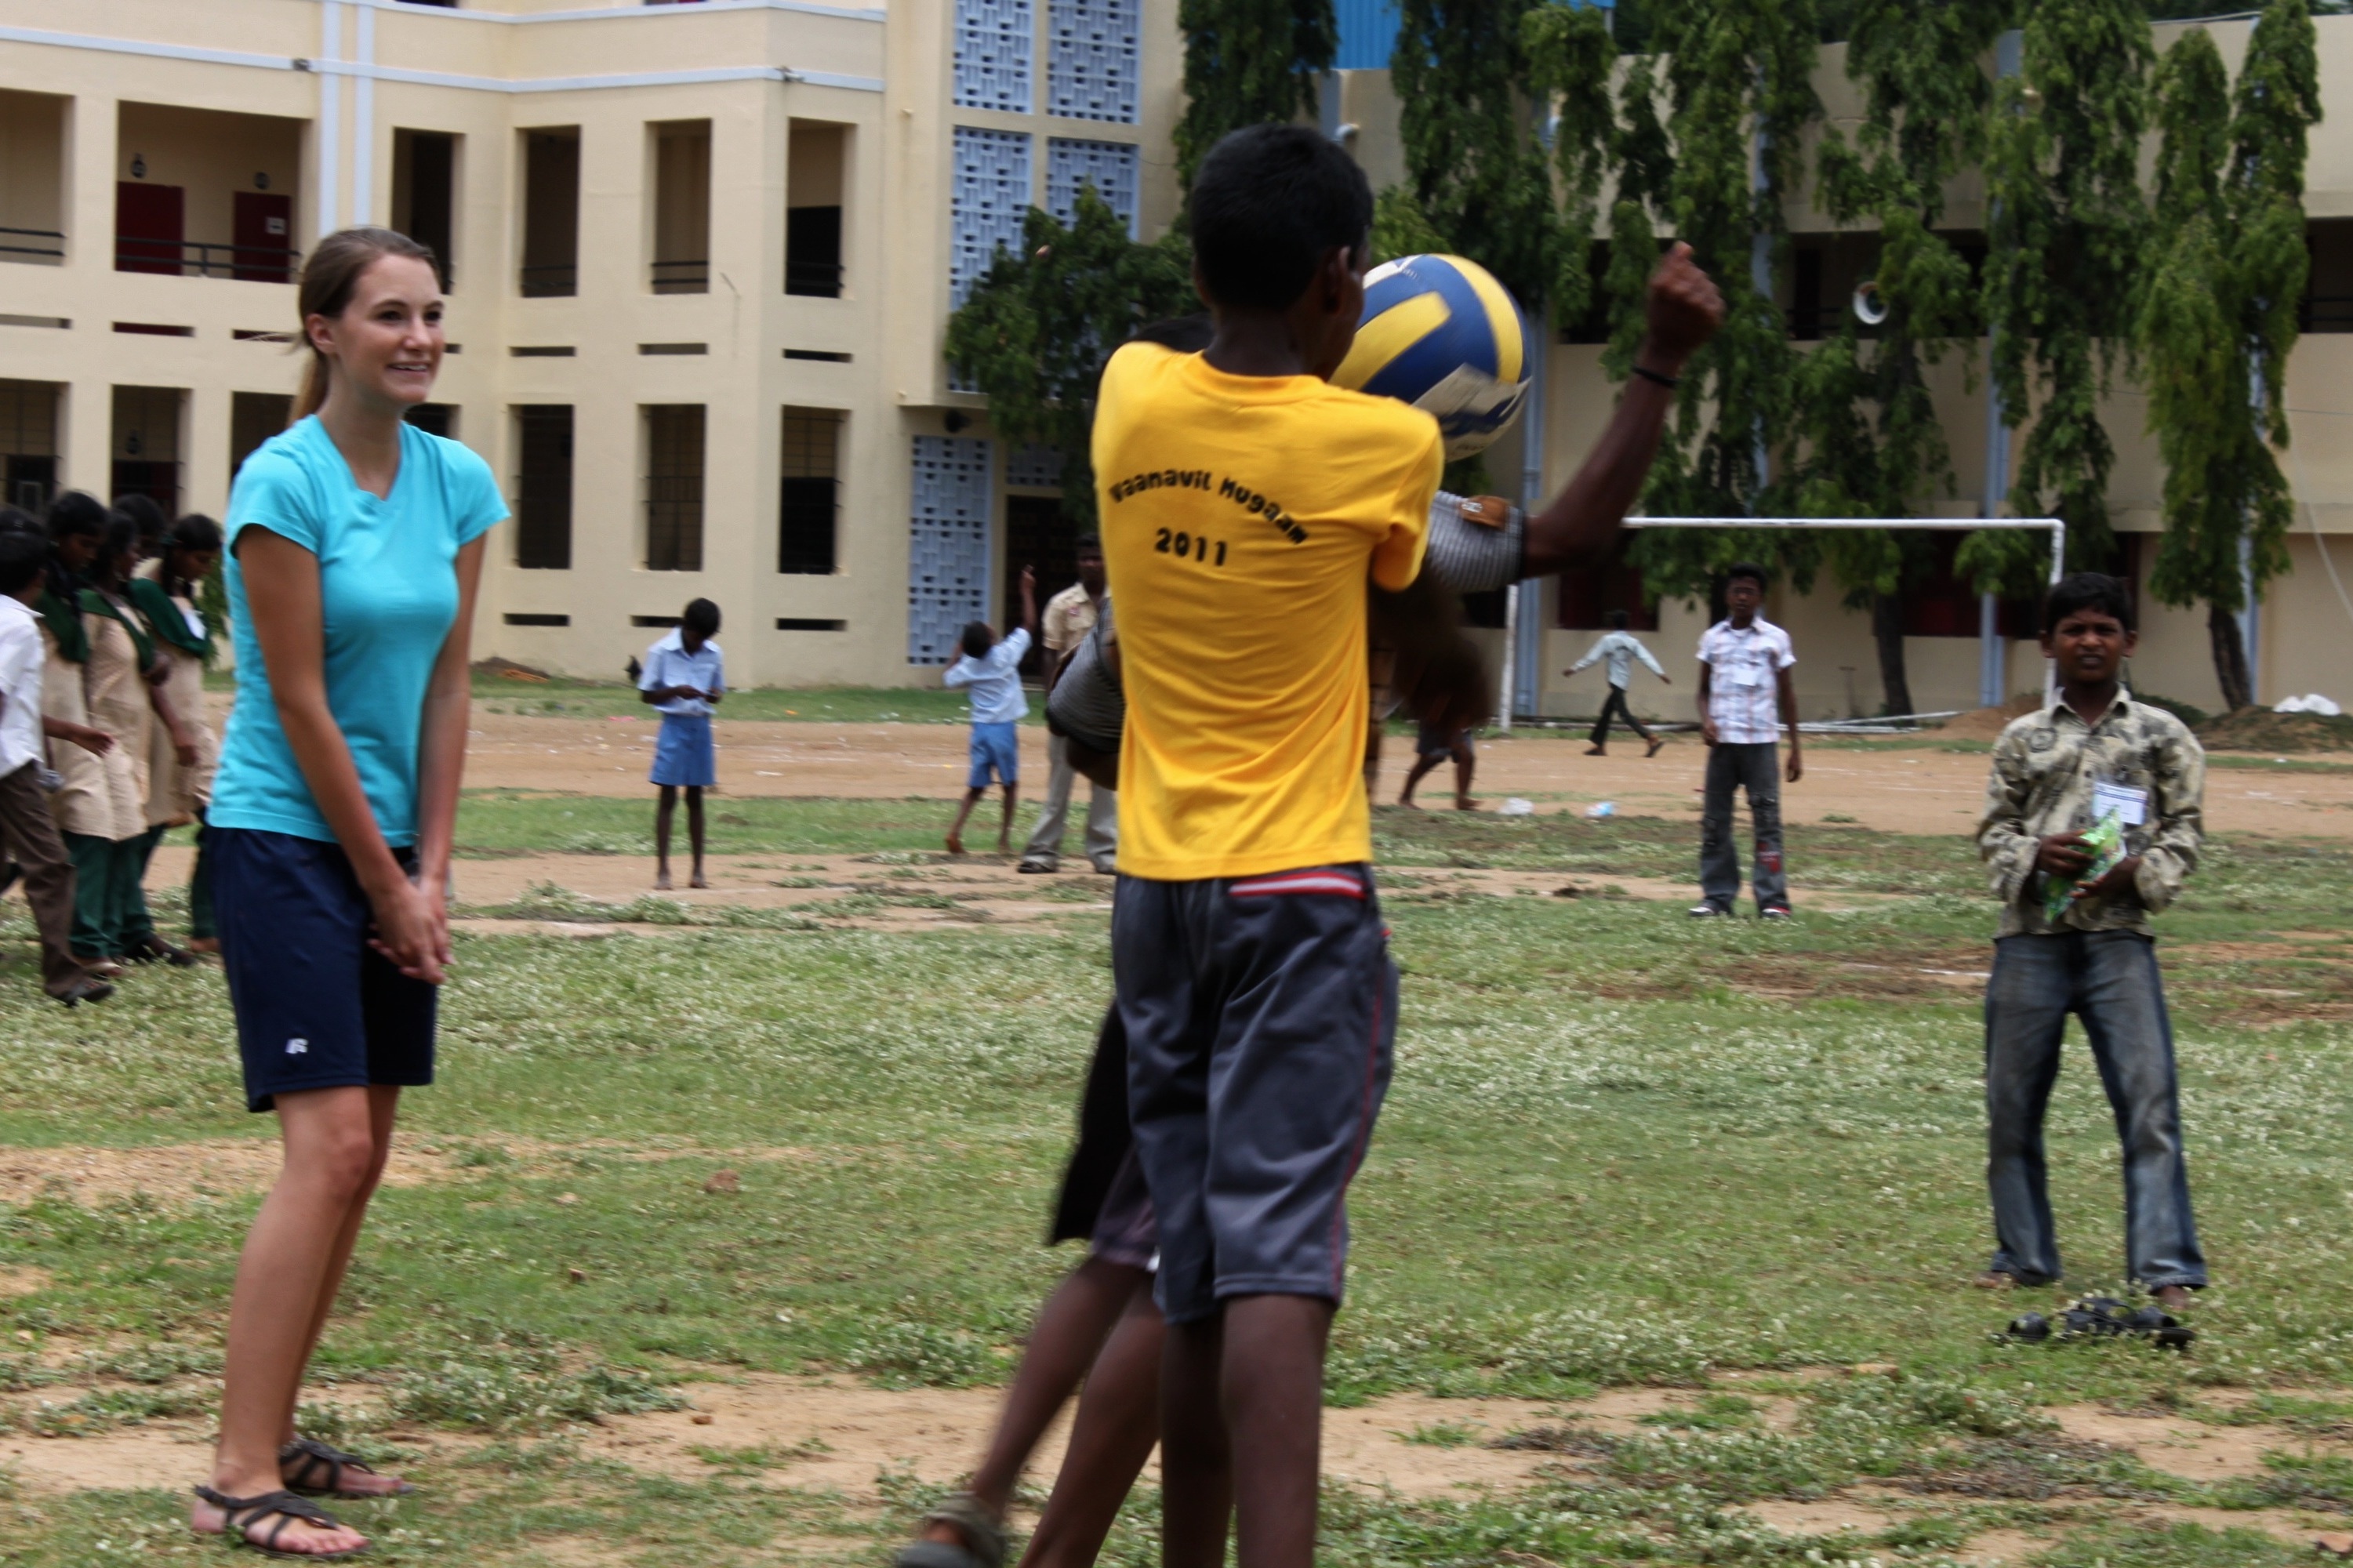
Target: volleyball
1440	334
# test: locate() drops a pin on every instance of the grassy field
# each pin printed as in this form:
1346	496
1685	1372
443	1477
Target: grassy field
1622	1147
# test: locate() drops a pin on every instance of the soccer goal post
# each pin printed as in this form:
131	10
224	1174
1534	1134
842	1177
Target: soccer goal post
1989	662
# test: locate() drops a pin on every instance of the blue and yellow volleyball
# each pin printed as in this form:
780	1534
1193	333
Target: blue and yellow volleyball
1440	334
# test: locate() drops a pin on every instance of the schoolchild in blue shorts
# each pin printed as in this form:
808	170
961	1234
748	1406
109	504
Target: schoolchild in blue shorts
685	676
991	670
354	549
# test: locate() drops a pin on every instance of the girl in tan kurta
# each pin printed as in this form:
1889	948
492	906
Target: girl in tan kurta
83	805
178	791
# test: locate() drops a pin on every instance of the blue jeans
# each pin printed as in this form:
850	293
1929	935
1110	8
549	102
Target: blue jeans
1755	768
2109	980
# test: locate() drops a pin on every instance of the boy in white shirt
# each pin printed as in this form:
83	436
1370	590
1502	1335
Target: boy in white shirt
1745	697
684	677
28	833
991	670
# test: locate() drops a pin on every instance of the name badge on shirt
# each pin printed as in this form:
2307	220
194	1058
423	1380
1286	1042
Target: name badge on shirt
2130	804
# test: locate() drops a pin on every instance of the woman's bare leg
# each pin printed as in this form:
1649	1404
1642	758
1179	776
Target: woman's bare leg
282	1278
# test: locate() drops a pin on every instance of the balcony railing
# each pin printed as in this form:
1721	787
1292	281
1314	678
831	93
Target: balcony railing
551	279
681	276
32	242
199	258
821	280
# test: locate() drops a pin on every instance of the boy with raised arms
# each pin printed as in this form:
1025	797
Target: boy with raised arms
1245	504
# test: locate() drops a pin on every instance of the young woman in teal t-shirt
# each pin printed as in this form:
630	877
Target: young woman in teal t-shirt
355	552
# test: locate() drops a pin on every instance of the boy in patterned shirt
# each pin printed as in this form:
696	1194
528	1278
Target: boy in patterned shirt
1745	697
2057	773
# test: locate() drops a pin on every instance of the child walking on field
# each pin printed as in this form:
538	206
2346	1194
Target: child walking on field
684	677
992	669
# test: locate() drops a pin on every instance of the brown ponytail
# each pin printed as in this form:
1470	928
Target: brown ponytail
330	275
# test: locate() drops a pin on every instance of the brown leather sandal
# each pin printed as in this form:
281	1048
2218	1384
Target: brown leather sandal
287	1510
300	1462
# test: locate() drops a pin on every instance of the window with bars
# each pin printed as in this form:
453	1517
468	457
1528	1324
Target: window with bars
816	165
543	487
947	543
808	508
995	40
674	487
1092	61
682	205
986	203
550	214
1110	166
28	443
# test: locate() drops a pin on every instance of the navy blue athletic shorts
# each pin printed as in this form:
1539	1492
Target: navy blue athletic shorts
316	1006
1262	1017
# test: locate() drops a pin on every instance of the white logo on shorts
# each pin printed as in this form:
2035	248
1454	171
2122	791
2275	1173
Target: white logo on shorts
296	1047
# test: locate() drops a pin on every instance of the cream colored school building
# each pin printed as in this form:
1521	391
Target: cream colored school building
700	257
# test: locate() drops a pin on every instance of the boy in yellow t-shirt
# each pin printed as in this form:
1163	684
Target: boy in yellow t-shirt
1245	503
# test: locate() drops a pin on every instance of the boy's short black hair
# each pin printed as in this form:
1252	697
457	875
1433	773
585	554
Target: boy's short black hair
701	616
2087	591
24	553
1088	544
1749	569
75	513
1268	202
1617	619
978	639
196	533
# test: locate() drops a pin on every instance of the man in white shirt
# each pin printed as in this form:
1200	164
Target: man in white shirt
1621	648
991	670
28	833
1071	615
1745	696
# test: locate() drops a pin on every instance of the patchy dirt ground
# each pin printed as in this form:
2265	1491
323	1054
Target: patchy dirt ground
1904	791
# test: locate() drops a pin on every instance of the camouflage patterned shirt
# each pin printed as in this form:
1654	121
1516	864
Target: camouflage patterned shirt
2045	768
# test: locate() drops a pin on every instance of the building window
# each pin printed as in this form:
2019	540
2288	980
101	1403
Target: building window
254	418
994	42
947	542
682	188
434	418
32	198
147	444
817	171
1092	62
809	506
985	204
28	444
425	193
674	487
551	213
544	486
205	193
1109	166
2328	286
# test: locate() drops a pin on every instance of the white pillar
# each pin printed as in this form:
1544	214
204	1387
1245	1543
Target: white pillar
330	120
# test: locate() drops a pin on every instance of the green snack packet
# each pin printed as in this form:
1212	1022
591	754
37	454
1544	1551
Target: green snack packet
2105	842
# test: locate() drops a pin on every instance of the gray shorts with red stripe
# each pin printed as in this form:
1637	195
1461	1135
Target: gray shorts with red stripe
1261	1017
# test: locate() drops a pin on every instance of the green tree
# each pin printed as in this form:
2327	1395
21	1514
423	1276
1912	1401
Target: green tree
1248	62
1738	74
1872	443
2067	237
1474	164
1033	333
2227	269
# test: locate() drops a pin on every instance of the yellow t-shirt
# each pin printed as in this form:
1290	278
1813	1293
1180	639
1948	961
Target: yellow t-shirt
1241	517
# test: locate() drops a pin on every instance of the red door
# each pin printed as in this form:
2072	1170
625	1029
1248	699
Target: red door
264	237
147	227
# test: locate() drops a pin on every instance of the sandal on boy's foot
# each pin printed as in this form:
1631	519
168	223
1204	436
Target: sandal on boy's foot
316	1470
156	949
983	1538
89	988
261	1523
1655	744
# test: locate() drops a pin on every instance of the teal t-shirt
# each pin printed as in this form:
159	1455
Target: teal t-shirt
388	593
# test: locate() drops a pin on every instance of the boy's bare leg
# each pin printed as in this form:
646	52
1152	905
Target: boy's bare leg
1421	766
665	807
1196	1490
1466	762
1273	1378
1005	827
964	810
1112	1436
1066	1339
694	833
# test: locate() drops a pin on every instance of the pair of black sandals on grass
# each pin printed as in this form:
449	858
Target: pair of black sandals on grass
2104	1317
311	1468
